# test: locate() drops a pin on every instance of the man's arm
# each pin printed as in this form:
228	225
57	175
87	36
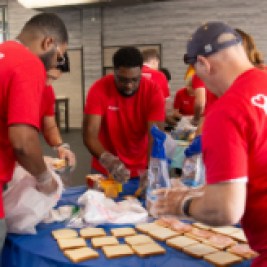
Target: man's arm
91	128
200	102
51	132
221	204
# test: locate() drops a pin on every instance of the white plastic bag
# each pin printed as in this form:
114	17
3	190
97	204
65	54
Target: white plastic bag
99	209
24	205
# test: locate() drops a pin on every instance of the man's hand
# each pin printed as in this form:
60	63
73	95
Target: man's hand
115	167
64	152
170	201
46	183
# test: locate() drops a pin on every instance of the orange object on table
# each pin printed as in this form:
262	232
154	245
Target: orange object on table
111	187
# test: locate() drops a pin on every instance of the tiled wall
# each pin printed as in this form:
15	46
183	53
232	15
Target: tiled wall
169	24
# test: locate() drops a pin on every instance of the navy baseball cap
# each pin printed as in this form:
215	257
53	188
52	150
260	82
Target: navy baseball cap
205	41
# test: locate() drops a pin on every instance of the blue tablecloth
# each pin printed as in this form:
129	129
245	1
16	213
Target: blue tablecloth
41	250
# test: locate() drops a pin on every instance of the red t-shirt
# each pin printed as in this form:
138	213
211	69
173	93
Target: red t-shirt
184	102
159	78
235	145
124	128
22	79
210	97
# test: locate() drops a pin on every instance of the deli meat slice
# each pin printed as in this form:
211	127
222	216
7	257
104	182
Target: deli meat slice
243	250
174	224
199	234
220	241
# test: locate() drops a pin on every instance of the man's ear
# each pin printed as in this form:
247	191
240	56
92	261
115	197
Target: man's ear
47	44
204	64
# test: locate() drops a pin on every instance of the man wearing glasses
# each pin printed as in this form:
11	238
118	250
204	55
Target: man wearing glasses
234	140
120	110
40	44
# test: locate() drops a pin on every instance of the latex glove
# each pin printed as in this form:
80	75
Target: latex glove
194	148
46	182
64	152
170	146
170	200
115	167
143	181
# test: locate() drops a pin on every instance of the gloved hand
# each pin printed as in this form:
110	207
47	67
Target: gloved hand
143	181
170	200
46	182
64	152
170	146
194	148
115	167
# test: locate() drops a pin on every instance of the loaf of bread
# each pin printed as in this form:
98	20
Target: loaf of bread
68	243
98	242
64	233
90	232
81	254
121	232
117	251
222	258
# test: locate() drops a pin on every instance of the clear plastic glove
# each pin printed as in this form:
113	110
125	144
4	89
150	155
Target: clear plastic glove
194	148
143	181
64	152
46	182
115	167
170	201
170	146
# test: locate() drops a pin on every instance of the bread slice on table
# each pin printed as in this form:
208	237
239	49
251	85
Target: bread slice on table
199	234
225	230
145	250
68	243
138	240
180	242
121	232
81	254
145	227
174	224
219	241
117	251
98	242
243	250
90	232
162	233
222	258
199	250
64	233
239	236
201	226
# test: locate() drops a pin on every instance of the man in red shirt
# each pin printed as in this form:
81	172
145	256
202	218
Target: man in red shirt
40	45
234	139
120	110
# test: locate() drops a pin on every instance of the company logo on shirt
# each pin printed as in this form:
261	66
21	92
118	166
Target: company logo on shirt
2	55
260	101
113	108
147	75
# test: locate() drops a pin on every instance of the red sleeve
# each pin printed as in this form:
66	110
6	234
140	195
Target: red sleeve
49	101
95	99
25	95
176	103
156	105
224	146
197	83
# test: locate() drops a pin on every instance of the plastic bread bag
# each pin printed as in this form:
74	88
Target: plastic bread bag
24	205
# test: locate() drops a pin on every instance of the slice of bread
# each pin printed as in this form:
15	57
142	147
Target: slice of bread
138	240
90	232
148	249
180	242
121	232
81	254
243	250
239	236
201	226
59	163
117	251
199	234
162	233
222	258
199	250
145	227
226	230
219	241
64	233
98	242
68	243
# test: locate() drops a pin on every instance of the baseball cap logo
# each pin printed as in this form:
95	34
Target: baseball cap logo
208	48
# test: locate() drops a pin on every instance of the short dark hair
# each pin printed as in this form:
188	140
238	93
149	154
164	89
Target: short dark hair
49	24
65	67
167	73
149	54
128	57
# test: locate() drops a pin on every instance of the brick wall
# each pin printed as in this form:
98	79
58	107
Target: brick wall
169	24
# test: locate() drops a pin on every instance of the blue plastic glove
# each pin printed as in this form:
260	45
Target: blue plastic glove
194	148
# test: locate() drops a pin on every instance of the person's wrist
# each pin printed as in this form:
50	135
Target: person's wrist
186	206
62	145
44	177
